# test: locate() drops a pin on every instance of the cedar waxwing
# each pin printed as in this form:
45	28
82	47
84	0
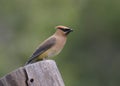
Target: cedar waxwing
51	46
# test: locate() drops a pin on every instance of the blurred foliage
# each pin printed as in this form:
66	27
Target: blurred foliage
91	56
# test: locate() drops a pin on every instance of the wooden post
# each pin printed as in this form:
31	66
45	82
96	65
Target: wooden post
43	73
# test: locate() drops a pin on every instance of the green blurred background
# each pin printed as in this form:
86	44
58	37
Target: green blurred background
91	56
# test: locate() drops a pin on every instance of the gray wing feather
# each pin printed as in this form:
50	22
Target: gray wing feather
45	46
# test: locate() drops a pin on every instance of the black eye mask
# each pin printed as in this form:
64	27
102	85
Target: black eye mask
65	30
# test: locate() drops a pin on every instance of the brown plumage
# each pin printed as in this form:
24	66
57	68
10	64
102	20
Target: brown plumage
51	46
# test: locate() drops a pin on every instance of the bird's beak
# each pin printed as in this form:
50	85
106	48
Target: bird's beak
70	30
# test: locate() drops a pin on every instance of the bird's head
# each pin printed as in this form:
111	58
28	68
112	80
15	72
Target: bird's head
63	29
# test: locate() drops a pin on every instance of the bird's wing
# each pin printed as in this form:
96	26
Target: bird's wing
42	48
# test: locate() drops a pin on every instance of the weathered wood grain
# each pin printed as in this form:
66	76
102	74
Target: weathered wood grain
43	73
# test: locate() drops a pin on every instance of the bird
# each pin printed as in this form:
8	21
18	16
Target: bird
52	46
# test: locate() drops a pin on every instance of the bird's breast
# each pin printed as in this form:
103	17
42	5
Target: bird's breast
60	42
56	49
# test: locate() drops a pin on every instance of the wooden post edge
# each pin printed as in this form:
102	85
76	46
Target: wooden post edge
42	73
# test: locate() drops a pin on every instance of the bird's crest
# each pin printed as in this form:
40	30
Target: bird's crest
60	26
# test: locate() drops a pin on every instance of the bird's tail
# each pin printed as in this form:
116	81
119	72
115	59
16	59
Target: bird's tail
30	61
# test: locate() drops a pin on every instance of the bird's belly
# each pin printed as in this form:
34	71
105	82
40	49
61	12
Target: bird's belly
51	54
